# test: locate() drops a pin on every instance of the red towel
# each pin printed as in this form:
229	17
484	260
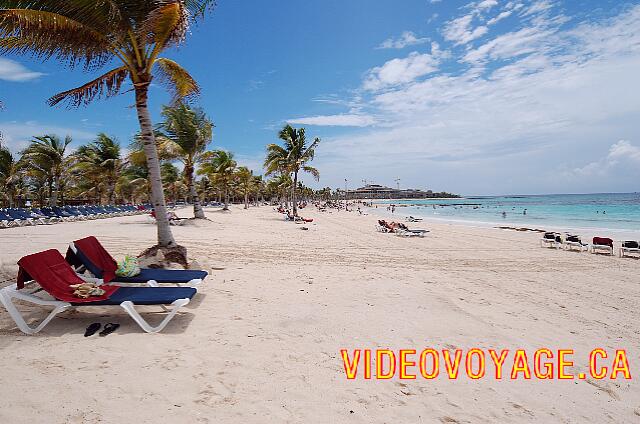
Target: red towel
55	276
98	255
602	241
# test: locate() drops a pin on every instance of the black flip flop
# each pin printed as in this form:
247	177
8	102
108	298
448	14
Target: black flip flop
108	329
91	330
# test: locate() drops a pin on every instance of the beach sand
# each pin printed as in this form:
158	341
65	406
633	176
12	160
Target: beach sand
261	341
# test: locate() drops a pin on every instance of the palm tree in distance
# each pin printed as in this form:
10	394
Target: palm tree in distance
101	159
186	132
292	158
246	182
10	174
47	155
93	33
220	166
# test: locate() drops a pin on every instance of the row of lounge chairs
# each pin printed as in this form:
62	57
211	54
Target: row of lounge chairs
19	217
598	245
47	279
399	229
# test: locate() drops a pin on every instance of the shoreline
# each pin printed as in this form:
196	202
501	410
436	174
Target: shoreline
619	234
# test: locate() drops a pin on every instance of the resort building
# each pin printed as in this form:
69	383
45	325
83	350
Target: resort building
375	191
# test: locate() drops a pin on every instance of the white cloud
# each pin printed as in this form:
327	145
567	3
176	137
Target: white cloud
15	72
407	38
460	30
486	4
343	120
538	7
622	156
502	15
513	44
401	71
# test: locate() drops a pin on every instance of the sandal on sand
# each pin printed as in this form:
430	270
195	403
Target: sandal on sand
109	328
91	330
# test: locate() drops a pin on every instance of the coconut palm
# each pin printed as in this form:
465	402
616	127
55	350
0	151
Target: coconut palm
185	134
246	183
47	155
100	162
94	33
219	166
292	158
279	186
10	174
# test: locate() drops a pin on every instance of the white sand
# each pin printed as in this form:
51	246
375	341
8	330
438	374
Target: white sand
261	341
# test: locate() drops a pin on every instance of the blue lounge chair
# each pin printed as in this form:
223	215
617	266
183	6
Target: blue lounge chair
50	271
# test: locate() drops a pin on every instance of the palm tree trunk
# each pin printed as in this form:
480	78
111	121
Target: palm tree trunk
293	193
246	200
112	190
198	213
53	193
226	199
165	237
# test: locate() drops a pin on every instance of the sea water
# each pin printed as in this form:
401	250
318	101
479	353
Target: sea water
615	212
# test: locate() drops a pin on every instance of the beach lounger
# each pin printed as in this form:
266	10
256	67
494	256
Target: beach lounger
54	275
629	246
602	244
575	243
381	229
402	232
7	221
88	254
550	240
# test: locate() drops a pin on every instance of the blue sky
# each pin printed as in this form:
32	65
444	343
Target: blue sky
483	97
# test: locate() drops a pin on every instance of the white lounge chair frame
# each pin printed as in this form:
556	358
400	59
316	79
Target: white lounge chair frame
546	242
596	248
381	229
410	233
9	293
626	250
571	245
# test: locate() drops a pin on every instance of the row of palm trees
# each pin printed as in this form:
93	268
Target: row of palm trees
49	172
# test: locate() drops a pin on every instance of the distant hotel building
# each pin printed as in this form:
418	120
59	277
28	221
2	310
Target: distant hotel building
375	191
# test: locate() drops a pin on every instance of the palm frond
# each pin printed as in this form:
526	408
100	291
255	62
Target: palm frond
165	26
44	34
106	85
177	80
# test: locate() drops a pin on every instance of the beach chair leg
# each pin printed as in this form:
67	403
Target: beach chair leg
129	307
6	298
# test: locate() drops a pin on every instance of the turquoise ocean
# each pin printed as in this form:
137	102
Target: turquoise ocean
615	212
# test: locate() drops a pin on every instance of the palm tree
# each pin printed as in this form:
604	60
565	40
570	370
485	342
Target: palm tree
219	166
279	186
292	158
100	162
93	33
186	132
10	174
246	183
47	155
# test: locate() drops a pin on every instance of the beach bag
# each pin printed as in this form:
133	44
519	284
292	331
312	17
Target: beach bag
128	267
